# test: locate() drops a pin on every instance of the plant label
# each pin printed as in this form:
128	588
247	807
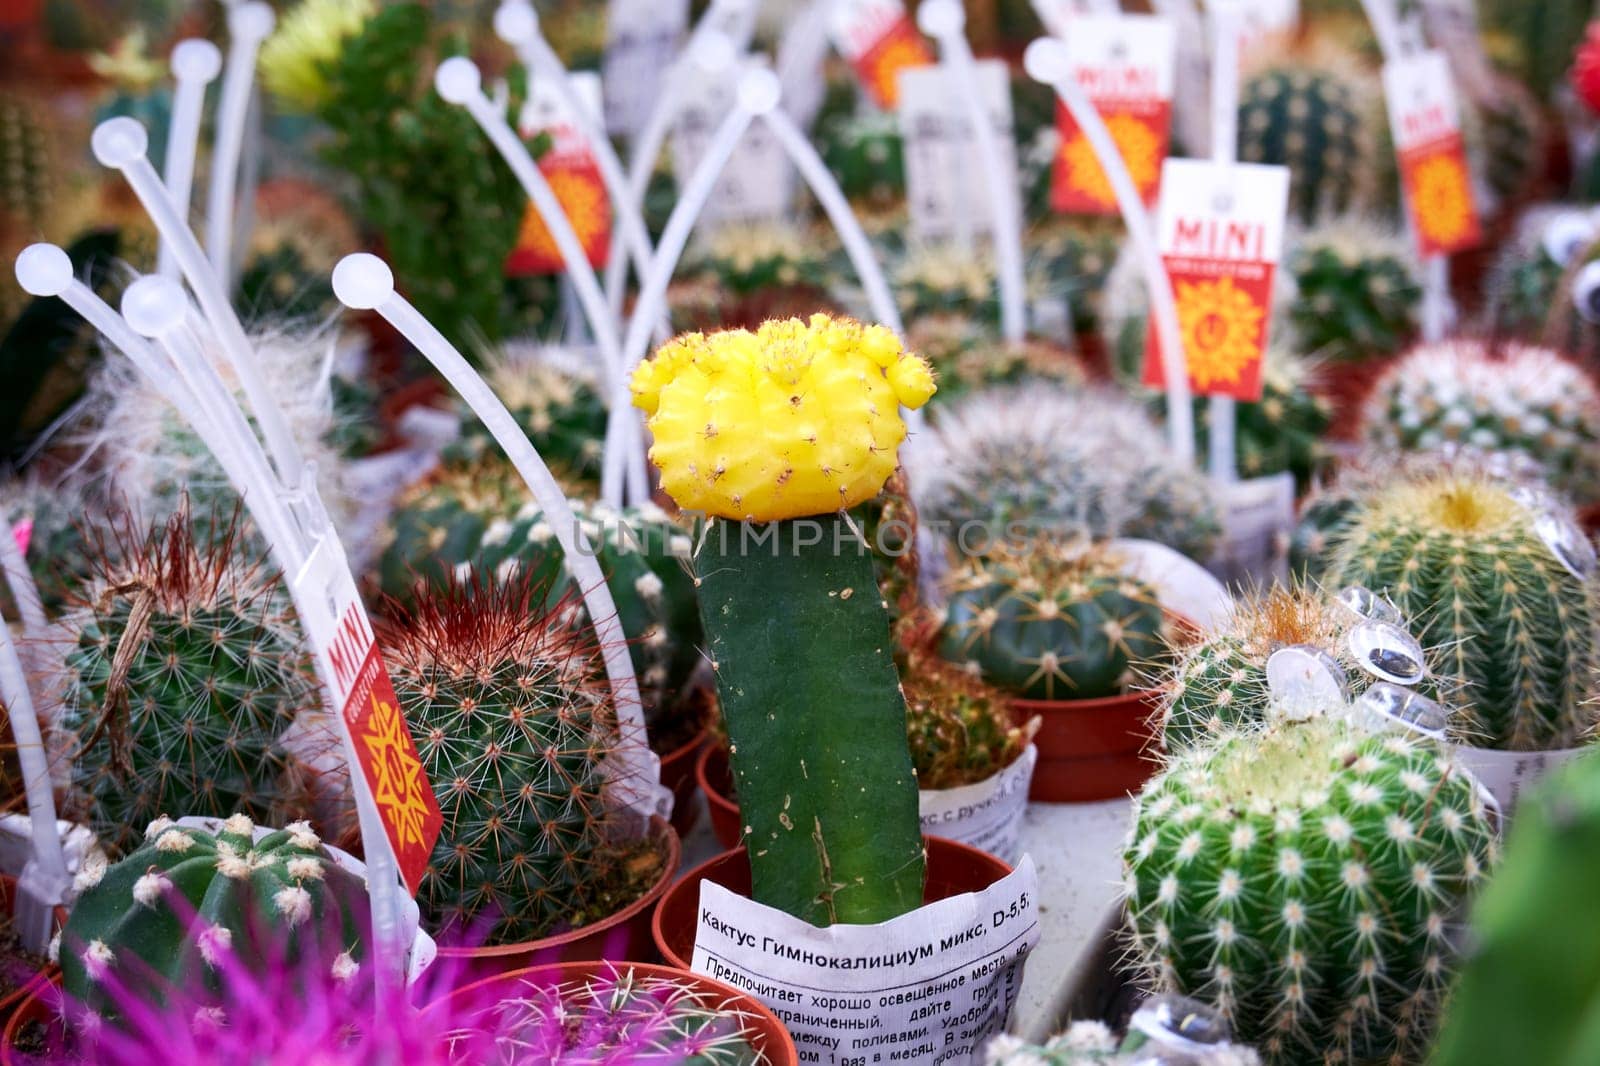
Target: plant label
1425	121
946	187
1124	63
642	41
1265	18
879	40
1508	774
758	182
369	711
1220	229
1257	520
930	986
573	174
986	814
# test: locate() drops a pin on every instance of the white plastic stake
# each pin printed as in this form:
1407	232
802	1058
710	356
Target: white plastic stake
1046	61
44	881
364	282
195	64
24	590
120	143
517	23
459	82
1223	416
945	21
248	25
757	94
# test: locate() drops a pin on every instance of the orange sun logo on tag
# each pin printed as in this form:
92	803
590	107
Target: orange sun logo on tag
879	67
1221	326
1441	194
399	782
581	192
1141	149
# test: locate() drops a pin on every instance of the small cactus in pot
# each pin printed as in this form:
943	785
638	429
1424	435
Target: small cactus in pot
159	921
557	407
1503	582
1047	622
775	434
1316	119
1308	879
1358	290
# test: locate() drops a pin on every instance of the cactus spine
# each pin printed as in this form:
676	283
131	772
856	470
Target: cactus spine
1049	624
514	729
186	896
181	670
1307	880
1463	558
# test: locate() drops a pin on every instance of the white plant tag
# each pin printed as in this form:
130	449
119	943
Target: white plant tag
930	986
642	40
986	815
946	189
1182	585
1257	519
758	181
546	111
1261	18
1507	774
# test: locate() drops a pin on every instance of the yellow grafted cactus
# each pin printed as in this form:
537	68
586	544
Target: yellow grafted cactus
796	419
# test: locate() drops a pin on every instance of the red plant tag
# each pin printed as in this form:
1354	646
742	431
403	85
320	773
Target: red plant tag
574	177
1221	232
1124	63
879	40
1426	124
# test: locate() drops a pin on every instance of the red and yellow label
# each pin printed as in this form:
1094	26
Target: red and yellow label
1222	319
1141	131
1439	198
900	47
576	182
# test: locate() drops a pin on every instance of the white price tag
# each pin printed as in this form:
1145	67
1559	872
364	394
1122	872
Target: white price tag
930	986
945	187
546	111
1421	100
758	181
986	815
642	41
1262	18
1507	774
1257	519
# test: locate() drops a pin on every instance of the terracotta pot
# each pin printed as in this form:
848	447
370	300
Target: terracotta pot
34	1007
1091	749
953	869
9	1005
623	937
716	781
767	1035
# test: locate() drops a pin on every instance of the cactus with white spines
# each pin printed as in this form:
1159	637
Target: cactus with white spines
1518	399
1308	879
155	923
1498	581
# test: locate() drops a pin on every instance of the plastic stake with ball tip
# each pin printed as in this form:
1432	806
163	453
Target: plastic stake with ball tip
945	21
196	62
364	282
1046	61
1225	23
248	25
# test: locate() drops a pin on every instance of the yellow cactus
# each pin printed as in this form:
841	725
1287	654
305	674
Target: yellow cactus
798	418
294	60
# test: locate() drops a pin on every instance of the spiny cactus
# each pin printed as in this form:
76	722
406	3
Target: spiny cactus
1358	288
748	258
50	522
1308	879
1316	121
1525	294
439	522
968	358
1049	460
1516	399
1051	622
558	407
940	279
180	671
27	173
619	1016
1527	991
1075	257
1494	580
1324	514
960	729
514	728
1220	683
158	923
1165	1031
1505	132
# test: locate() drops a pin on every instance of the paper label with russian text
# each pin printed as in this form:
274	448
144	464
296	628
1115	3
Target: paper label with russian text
987	814
932	985
1220	229
1124	64
573	173
946	183
1425	121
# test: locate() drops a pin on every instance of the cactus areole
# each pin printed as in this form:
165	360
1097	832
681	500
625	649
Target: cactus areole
775	434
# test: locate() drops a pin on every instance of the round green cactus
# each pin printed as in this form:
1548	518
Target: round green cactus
968	359
1527	403
1056	461
1308	878
1493	579
1315	121
1047	623
186	896
514	727
181	670
1358	290
746	259
1323	516
866	154
960	729
560	410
